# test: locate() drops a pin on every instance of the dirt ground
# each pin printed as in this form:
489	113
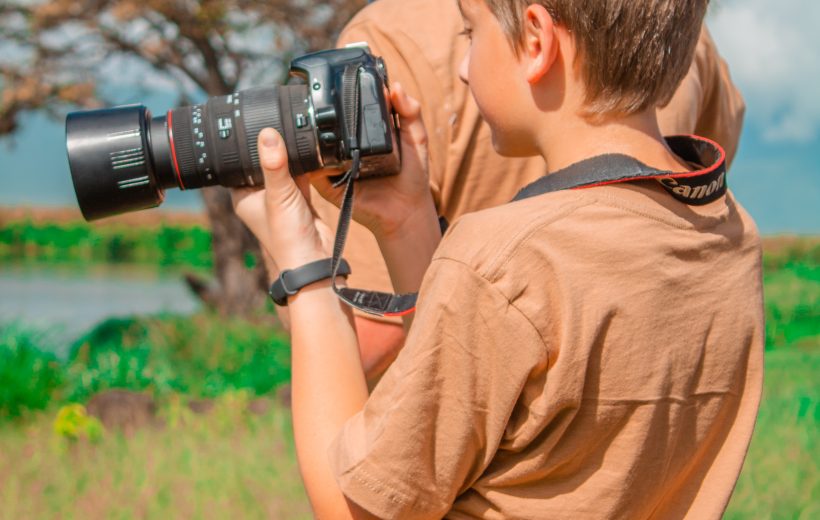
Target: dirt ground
150	218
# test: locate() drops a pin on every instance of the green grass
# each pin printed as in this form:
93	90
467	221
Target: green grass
228	464
781	479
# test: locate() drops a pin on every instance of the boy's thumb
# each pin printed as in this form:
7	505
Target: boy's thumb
273	155
273	158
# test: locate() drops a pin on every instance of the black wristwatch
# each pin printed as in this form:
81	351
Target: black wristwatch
292	280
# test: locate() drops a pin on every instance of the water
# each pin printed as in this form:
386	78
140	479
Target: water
69	301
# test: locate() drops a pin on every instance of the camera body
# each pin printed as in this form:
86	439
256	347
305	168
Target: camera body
348	88
122	159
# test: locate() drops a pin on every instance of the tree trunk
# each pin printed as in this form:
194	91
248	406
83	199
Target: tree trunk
239	289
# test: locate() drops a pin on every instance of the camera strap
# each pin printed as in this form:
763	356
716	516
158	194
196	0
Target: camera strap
371	302
695	188
699	187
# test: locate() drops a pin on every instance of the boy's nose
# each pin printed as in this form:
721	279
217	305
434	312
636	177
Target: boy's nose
464	67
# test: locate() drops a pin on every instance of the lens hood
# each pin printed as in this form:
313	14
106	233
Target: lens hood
112	170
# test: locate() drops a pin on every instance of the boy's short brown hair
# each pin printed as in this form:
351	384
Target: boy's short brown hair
634	52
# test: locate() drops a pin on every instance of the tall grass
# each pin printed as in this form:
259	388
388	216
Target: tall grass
227	464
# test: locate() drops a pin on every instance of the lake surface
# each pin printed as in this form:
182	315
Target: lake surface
69	301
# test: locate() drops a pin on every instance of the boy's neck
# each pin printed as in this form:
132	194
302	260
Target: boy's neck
574	139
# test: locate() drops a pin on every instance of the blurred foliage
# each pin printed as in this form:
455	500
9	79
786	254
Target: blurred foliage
76	242
199	356
202	355
29	376
791	282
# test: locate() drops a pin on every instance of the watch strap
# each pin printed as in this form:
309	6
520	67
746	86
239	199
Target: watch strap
290	281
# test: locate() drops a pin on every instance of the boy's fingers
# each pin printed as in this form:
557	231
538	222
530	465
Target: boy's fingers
409	110
406	106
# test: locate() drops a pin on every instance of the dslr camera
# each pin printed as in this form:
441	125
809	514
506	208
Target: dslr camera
122	159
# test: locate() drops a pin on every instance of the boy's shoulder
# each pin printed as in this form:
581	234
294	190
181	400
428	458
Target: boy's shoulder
578	223
483	239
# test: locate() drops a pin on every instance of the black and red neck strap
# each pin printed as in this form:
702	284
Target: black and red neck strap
691	187
695	188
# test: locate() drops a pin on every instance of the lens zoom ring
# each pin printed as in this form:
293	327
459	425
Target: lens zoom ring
260	109
305	146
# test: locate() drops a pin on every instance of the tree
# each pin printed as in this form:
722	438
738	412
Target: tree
57	53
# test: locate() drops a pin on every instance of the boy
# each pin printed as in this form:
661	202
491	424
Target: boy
420	43
589	353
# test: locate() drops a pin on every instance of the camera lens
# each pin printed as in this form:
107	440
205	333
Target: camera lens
122	159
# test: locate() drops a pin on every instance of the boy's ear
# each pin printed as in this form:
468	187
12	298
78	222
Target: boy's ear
540	45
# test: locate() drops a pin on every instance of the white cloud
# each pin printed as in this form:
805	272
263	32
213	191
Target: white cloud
773	51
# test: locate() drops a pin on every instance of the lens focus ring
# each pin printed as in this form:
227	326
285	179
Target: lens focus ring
184	148
260	109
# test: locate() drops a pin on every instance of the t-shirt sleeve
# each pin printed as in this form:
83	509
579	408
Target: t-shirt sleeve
435	421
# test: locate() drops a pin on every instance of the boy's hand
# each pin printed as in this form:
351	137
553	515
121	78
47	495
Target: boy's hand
384	205
280	216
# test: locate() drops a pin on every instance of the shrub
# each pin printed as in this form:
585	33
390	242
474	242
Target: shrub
202	356
29	375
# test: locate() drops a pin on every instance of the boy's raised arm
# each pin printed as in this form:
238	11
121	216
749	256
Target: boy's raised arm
328	384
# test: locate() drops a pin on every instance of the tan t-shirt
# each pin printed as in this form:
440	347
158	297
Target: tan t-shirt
592	353
420	44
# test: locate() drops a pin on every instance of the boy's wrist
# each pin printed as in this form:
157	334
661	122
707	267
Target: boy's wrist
422	219
408	248
295	261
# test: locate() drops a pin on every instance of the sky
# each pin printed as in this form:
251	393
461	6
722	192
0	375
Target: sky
774	58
